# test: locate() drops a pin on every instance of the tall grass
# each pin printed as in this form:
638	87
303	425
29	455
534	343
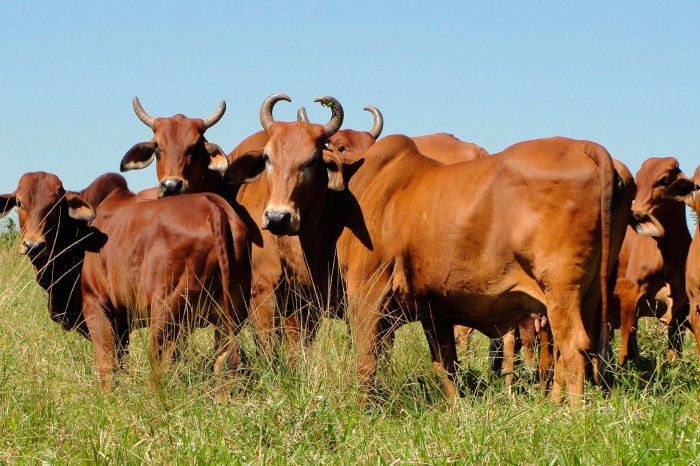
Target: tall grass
53	411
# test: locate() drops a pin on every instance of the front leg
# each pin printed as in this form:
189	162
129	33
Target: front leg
103	339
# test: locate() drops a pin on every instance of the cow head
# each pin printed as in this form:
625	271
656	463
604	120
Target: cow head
184	158
43	206
297	164
348	142
651	202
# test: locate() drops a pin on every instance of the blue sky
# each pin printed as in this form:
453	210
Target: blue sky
623	74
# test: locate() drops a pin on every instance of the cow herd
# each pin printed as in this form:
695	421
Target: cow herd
303	220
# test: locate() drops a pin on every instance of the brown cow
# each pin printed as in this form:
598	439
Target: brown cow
502	254
448	149
686	190
651	281
165	264
186	161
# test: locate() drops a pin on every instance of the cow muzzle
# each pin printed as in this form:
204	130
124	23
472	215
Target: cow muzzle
280	222
172	186
33	248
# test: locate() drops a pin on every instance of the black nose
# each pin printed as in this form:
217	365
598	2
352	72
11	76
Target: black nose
170	186
33	248
278	222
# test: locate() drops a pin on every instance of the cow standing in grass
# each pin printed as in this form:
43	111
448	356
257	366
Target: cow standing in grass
485	243
651	272
112	262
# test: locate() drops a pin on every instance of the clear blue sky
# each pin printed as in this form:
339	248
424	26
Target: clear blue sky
624	74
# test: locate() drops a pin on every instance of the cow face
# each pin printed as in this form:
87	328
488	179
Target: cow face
298	167
42	205
184	158
348	142
651	202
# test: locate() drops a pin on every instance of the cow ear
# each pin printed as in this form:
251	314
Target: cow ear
139	156
217	158
7	203
79	208
246	168
646	224
682	190
335	171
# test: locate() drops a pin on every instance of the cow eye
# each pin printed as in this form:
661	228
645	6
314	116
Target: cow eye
341	149
18	204
265	157
156	150
665	181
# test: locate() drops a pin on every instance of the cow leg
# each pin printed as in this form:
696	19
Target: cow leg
695	323
227	359
676	327
528	340
571	339
262	315
365	304
496	355
546	363
441	340
102	336
509	351
463	335
628	329
122	332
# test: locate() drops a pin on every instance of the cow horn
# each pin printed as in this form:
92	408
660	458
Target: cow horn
301	115
147	119
216	116
336	120
266	119
378	121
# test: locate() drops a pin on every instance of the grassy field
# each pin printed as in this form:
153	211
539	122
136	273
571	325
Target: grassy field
52	410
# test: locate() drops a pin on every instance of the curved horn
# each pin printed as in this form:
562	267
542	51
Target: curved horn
378	121
266	119
301	115
216	116
336	118
147	119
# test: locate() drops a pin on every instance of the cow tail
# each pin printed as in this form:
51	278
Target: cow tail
223	239
606	175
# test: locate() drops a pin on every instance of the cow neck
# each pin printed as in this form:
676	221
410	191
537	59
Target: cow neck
59	274
319	233
676	239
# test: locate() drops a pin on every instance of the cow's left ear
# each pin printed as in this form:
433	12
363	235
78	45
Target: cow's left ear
7	203
682	190
79	208
217	158
335	171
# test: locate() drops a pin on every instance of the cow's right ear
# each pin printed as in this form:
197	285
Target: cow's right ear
7	203
246	168
79	208
139	156
682	190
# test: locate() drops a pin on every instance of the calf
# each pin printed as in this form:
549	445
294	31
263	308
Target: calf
684	189
166	264
651	281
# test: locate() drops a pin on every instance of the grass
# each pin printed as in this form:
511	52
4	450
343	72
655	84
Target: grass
52	410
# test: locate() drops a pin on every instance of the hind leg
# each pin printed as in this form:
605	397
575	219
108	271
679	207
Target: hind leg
572	342
441	341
